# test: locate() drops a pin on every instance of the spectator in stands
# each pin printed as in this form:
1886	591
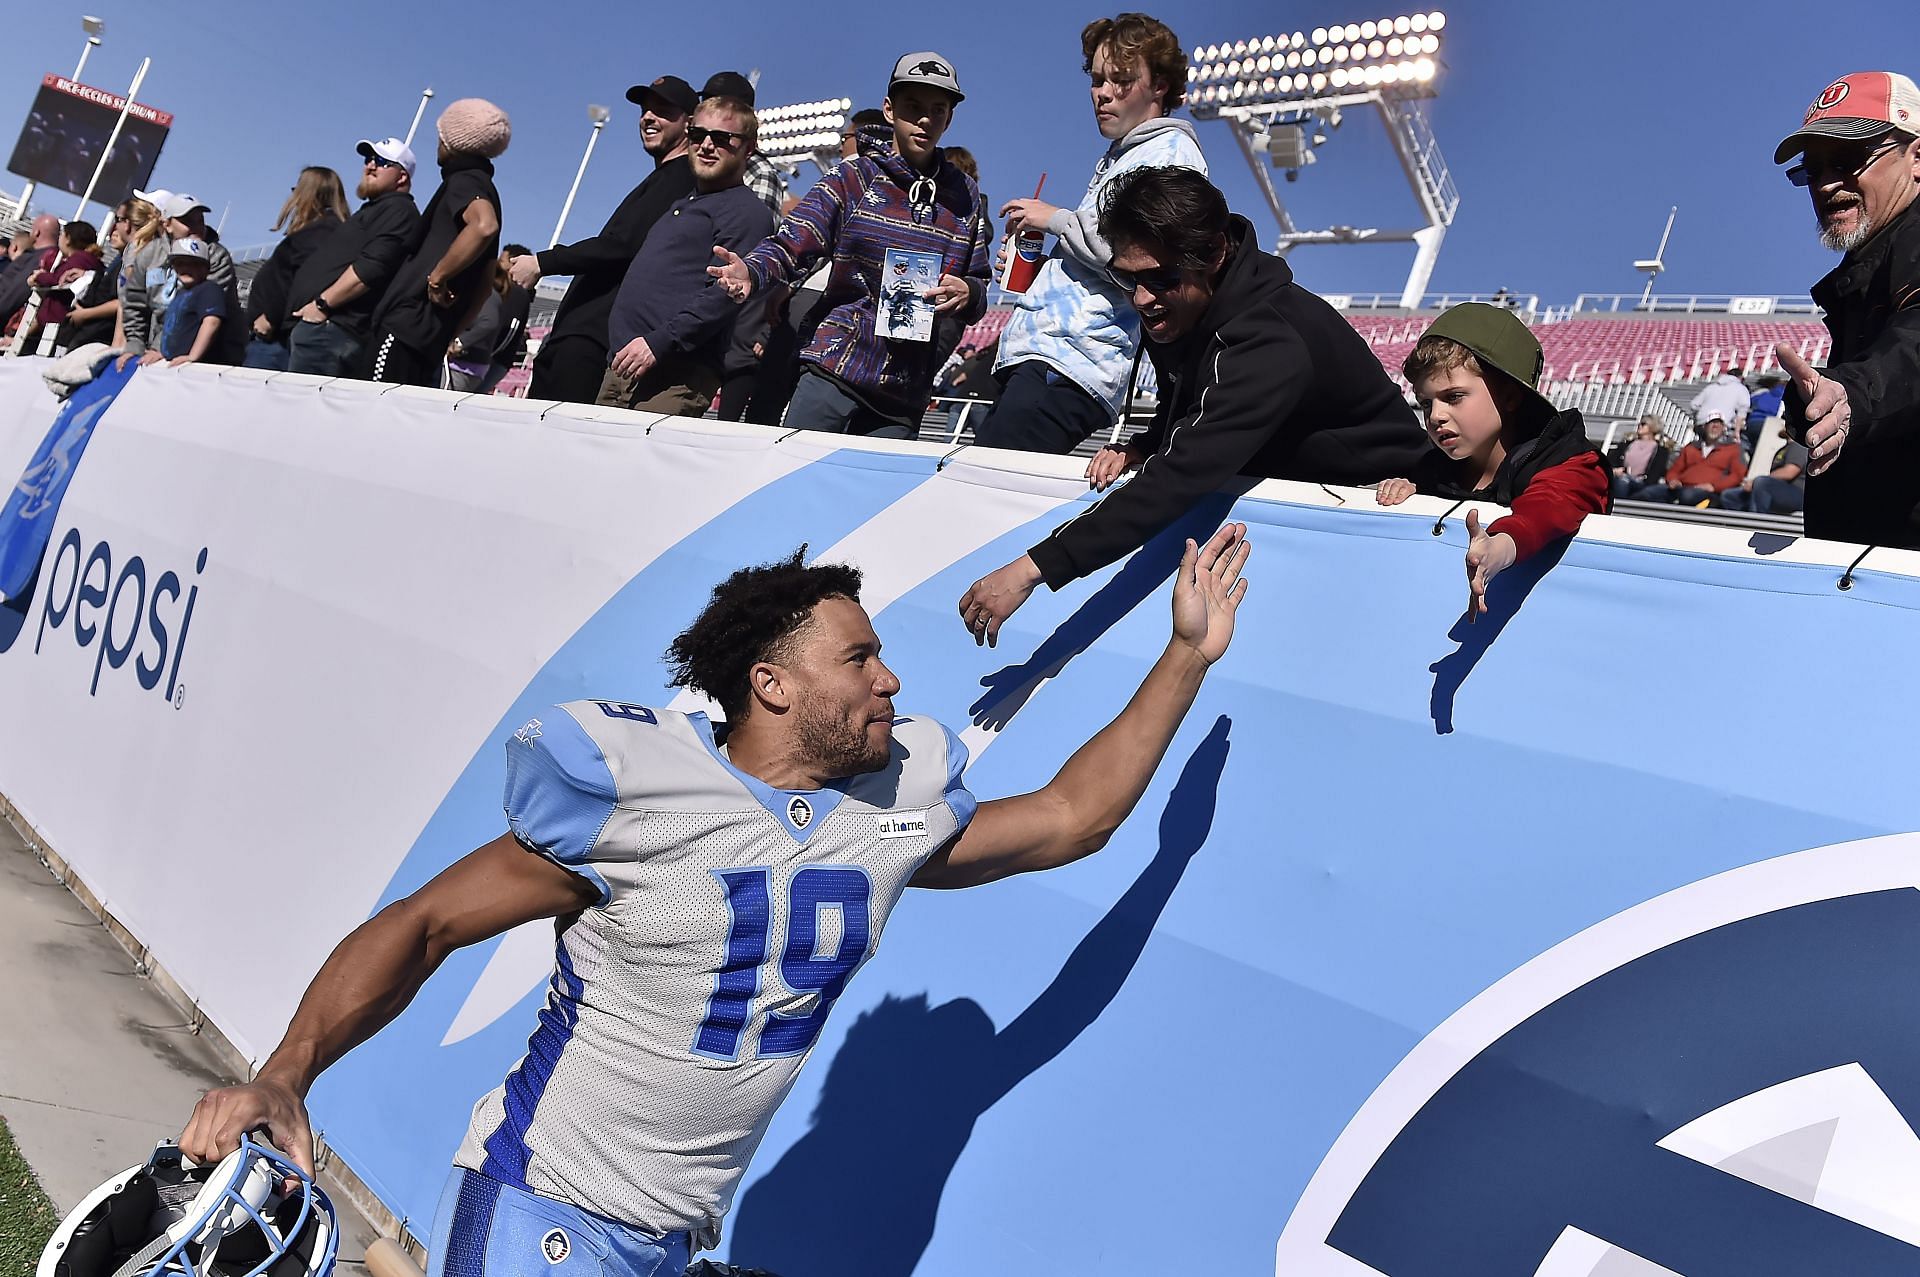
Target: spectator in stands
762	177
671	323
448	275
1860	160
1725	397
795	310
516	304
1067	353
143	277
334	292
1476	374
972	377
198	310
1767	404
1702	471
1257	376
41	250
79	256
488	348
313	212
573	358
906	195
748	343
187	219
1782	490
96	311
1640	460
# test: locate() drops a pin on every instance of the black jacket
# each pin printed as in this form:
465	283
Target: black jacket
1656	464
600	263
1271	382
268	293
373	241
1871	494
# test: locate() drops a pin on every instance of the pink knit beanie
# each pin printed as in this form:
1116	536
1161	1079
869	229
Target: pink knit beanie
475	126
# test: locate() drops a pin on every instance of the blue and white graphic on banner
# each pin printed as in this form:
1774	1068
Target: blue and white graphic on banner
27	519
1374	812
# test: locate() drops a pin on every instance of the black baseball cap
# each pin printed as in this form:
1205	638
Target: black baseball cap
671	89
728	84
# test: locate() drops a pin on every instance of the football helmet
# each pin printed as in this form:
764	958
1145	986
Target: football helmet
254	1215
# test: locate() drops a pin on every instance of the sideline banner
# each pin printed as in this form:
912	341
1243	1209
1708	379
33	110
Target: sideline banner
1576	940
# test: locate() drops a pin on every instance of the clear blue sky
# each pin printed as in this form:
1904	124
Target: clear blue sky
1570	128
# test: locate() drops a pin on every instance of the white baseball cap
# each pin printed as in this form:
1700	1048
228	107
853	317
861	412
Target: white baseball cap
181	204
157	197
192	246
390	149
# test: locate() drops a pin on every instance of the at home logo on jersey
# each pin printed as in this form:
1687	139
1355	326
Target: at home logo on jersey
898	825
115	604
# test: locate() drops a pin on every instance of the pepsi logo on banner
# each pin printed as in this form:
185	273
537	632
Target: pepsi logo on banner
1723	1079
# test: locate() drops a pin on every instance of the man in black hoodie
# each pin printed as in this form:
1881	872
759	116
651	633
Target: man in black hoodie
1257	377
573	359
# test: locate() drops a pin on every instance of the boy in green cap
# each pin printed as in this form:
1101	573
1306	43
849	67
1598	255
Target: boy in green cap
1476	373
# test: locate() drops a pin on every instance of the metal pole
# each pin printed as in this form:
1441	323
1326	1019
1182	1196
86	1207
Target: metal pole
132	92
426	96
567	207
85	49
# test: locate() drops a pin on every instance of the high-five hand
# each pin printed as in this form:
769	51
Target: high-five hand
1208	590
1487	557
732	274
1829	415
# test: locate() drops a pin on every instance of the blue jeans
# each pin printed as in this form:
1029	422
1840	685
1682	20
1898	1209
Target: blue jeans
1039	410
1769	496
819	403
325	350
485	1228
262	353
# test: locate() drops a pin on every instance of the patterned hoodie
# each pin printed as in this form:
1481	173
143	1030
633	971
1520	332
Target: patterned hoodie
1072	318
852	216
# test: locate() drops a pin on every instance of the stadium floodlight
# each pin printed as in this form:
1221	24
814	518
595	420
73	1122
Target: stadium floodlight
792	134
1283	95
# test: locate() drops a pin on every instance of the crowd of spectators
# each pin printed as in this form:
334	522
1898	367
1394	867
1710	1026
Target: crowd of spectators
709	288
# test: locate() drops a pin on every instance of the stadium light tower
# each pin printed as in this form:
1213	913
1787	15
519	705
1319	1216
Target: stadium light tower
804	131
1658	262
1283	95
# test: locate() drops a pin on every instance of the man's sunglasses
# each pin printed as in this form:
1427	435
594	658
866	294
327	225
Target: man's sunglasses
1158	282
380	161
1849	162
721	138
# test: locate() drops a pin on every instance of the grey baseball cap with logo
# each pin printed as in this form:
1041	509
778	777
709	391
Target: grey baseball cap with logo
928	68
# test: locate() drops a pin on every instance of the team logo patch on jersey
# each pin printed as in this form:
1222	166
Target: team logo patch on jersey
902	825
555	1246
530	733
800	812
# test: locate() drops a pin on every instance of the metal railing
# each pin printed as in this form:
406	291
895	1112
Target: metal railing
1694	304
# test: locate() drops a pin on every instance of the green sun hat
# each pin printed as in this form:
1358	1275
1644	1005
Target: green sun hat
1498	340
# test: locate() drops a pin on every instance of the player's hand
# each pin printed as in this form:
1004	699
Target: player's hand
949	295
1028	216
524	270
1487	557
1393	491
1208	591
1110	463
634	358
223	1115
1829	415
732	274
996	596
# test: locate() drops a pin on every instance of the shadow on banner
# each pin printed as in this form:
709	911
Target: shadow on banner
859	1192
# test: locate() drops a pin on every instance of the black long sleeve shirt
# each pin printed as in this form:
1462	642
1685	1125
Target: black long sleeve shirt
599	263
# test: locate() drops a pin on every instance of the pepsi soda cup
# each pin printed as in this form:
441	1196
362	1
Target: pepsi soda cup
1023	261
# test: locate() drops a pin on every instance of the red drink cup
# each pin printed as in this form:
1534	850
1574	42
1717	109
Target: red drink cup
1023	262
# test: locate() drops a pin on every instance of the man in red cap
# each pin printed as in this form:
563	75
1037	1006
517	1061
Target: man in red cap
1859	158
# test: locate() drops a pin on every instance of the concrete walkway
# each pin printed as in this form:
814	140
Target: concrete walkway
95	1064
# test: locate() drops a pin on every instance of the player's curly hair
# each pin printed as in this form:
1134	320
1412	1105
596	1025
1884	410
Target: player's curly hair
748	619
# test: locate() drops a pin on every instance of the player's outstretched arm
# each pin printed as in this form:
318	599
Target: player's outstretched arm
370	978
1081	807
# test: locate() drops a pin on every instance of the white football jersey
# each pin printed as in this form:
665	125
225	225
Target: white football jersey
731	916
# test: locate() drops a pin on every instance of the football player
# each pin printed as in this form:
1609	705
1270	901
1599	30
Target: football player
714	894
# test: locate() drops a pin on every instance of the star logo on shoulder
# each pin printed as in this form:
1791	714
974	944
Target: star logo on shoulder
528	734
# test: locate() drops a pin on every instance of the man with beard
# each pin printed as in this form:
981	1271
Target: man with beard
573	358
334	293
1860	418
714	894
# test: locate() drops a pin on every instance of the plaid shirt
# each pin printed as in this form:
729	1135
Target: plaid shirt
764	180
852	216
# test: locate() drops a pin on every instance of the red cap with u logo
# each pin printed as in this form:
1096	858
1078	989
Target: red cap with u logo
1858	106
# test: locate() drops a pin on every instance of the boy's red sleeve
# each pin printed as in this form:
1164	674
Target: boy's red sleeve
1554	503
